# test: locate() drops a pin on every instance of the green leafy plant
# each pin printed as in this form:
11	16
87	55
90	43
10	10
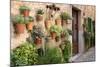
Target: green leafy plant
37	32
19	19
69	31
22	8
29	19
56	29
52	56
66	50
26	54
65	16
40	11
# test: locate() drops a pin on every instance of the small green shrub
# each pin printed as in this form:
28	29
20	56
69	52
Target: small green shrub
26	54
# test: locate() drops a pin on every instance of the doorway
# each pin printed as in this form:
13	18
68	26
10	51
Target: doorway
75	46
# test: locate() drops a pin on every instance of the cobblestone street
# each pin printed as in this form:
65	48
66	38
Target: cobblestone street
87	56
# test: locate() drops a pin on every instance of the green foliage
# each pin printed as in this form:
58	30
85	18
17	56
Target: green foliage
66	34
66	50
37	32
19	19
52	56
65	16
22	8
69	31
56	29
40	11
26	54
29	19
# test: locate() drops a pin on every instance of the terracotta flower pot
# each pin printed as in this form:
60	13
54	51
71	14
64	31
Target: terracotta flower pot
53	35
58	21
30	26
63	22
47	24
39	17
25	13
38	41
62	35
20	28
57	39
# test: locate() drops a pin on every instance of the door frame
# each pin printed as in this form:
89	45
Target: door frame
79	48
77	31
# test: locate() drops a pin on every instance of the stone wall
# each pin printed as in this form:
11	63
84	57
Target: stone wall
16	40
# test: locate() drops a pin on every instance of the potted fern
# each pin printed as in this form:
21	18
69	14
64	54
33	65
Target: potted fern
24	10
39	15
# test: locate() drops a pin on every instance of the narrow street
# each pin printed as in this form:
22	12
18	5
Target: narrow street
87	56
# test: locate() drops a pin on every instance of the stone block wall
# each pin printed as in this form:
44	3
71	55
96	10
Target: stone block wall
16	40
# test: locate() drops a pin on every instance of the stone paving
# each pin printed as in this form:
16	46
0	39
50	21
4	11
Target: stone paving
87	56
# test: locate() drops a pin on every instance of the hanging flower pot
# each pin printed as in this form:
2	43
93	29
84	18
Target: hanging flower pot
65	17
53	31
62	35
24	10
38	41
47	24
19	28
30	23
19	24
53	35
58	21
39	15
57	38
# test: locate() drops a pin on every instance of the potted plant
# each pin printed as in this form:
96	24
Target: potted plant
65	17
48	23
59	31
30	24
53	31
58	21
39	15
19	24
64	35
37	35
24	10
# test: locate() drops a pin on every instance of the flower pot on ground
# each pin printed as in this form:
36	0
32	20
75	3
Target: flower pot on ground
39	15
65	17
24	10
30	23
48	24
19	24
